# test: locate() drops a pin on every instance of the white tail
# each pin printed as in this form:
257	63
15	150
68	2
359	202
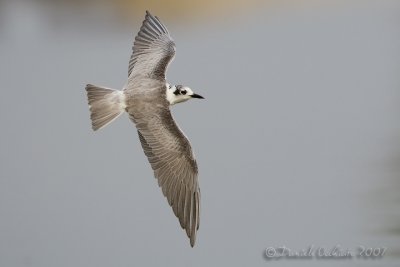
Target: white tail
105	105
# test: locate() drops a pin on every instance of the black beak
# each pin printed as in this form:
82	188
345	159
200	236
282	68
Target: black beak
197	96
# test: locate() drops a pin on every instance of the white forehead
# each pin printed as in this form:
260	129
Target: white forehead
187	89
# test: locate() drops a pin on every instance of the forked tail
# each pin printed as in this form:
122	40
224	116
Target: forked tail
105	105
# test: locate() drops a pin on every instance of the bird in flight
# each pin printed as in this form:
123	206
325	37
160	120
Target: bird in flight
146	97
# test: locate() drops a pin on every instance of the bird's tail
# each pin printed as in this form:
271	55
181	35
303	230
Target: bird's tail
105	105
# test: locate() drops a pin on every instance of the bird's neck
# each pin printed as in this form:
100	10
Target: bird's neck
171	97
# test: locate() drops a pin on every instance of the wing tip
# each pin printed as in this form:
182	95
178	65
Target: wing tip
148	14
192	238
192	242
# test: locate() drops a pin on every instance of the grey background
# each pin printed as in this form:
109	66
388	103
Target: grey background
297	140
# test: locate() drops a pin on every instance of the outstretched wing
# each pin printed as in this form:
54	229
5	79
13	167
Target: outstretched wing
171	157
153	49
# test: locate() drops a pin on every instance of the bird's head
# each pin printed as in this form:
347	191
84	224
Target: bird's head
180	93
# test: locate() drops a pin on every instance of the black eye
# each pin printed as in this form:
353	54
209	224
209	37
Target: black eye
183	92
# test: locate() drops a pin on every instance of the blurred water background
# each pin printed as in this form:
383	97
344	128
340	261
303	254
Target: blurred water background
298	140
